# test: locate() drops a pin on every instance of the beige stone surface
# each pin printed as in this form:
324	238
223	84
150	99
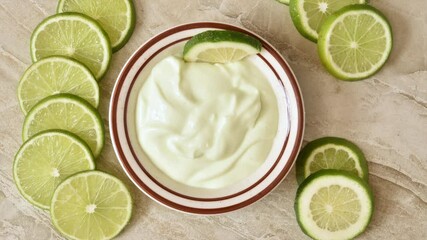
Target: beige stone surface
385	115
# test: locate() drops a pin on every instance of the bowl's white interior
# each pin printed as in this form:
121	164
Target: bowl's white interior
282	134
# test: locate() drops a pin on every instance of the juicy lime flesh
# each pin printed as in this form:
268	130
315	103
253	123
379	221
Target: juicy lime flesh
358	43
222	55
335	208
71	117
333	158
56	75
219	46
76	39
46	161
113	15
91	206
317	10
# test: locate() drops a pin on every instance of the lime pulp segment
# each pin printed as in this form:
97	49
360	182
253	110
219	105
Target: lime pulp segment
74	35
117	17
46	160
70	113
308	15
218	46
331	153
55	75
91	205
333	205
355	42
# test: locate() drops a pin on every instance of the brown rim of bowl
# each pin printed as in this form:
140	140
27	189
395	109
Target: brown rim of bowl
140	183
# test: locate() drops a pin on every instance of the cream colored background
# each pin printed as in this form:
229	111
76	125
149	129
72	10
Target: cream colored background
385	115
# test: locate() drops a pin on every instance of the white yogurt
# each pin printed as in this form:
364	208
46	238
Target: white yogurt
206	125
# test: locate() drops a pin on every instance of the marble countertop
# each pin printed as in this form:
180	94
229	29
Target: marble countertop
385	115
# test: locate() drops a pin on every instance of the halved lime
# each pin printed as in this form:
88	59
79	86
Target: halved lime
355	42
333	205
91	205
45	160
308	15
117	17
74	35
217	46
286	2
55	75
331	153
70	113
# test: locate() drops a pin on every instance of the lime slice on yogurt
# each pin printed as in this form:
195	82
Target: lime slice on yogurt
218	46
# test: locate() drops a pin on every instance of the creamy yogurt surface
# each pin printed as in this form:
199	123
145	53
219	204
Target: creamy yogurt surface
206	125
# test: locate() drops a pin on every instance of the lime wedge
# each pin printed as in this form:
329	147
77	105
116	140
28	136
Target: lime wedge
70	113
220	47
331	153
91	205
333	205
46	160
117	17
286	2
309	15
55	75
355	42
74	35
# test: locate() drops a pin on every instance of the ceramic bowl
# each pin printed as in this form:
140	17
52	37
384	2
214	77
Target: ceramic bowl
162	189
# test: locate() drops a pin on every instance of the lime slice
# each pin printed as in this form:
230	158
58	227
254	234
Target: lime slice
331	153
74	35
220	47
333	205
70	113
46	160
55	75
286	2
91	205
355	42
117	17
308	15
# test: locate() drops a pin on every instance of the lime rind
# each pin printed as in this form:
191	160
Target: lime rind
325	34
89	22
86	174
56	60
308	152
301	21
214	41
68	98
126	33
330	177
76	140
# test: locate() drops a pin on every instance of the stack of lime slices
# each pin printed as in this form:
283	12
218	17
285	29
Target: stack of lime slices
354	40
334	200
63	130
